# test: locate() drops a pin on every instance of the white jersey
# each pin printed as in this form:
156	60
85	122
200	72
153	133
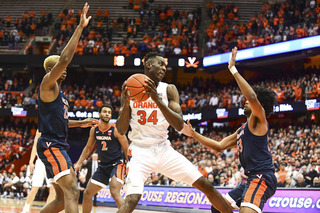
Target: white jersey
148	124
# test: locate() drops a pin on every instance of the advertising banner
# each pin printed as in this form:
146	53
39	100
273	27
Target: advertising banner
284	200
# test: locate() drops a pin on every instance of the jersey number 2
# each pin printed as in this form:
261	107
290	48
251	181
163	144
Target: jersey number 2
104	146
152	118
65	114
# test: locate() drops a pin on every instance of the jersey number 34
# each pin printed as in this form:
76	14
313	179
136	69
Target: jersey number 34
143	117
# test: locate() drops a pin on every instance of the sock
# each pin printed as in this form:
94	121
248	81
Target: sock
214	210
26	207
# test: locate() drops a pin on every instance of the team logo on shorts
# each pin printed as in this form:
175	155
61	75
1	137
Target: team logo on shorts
48	143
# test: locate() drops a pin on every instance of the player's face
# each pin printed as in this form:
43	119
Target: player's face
105	114
158	68
63	76
247	109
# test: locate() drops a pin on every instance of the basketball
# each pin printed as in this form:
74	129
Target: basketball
135	86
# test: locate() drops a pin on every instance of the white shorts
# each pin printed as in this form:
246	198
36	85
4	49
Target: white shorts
161	158
39	174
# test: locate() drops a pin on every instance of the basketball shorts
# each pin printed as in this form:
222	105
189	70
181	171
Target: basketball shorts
39	174
103	175
54	157
255	193
161	158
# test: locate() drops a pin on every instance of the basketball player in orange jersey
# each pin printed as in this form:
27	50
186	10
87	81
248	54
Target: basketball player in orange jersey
252	141
150	147
53	124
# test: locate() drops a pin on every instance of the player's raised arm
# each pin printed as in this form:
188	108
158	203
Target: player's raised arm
123	141
87	150
226	143
246	89
124	112
66	56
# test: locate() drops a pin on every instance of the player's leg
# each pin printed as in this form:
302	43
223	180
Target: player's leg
39	174
88	193
233	198
212	194
59	167
259	189
68	183
57	204
130	203
140	166
247	210
117	180
30	198
177	167
115	188
52	194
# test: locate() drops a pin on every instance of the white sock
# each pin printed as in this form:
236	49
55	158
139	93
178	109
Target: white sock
26	207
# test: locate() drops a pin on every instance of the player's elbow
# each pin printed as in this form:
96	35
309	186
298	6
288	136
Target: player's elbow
64	59
218	148
179	126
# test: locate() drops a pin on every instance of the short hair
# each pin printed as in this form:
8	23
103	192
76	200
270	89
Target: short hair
150	55
105	105
50	61
266	97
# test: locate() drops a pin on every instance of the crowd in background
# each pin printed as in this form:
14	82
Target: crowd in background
14	140
155	29
277	22
170	32
196	96
14	29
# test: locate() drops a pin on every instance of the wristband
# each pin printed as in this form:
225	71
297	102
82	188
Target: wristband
233	70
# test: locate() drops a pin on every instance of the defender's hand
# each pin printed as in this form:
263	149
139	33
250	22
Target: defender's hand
232	61
84	20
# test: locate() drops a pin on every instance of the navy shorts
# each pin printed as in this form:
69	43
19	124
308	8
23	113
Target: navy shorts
255	193
103	174
54	156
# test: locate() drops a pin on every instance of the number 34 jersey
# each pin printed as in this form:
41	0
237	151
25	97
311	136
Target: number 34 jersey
148	124
108	146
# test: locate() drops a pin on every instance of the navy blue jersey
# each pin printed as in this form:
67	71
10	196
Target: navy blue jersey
53	117
108	146
254	152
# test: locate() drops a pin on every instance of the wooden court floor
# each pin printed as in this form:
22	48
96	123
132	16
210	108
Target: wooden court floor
15	206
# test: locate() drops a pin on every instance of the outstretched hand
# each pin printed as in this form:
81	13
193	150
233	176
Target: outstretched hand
187	129
77	167
84	20
89	122
232	61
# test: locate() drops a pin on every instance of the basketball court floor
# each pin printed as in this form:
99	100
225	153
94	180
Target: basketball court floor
8	205
15	206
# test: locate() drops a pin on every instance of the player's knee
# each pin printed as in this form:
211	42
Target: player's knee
73	193
203	184
132	200
114	192
87	194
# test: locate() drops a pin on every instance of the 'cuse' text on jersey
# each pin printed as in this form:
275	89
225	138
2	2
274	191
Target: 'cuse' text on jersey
103	138
150	105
